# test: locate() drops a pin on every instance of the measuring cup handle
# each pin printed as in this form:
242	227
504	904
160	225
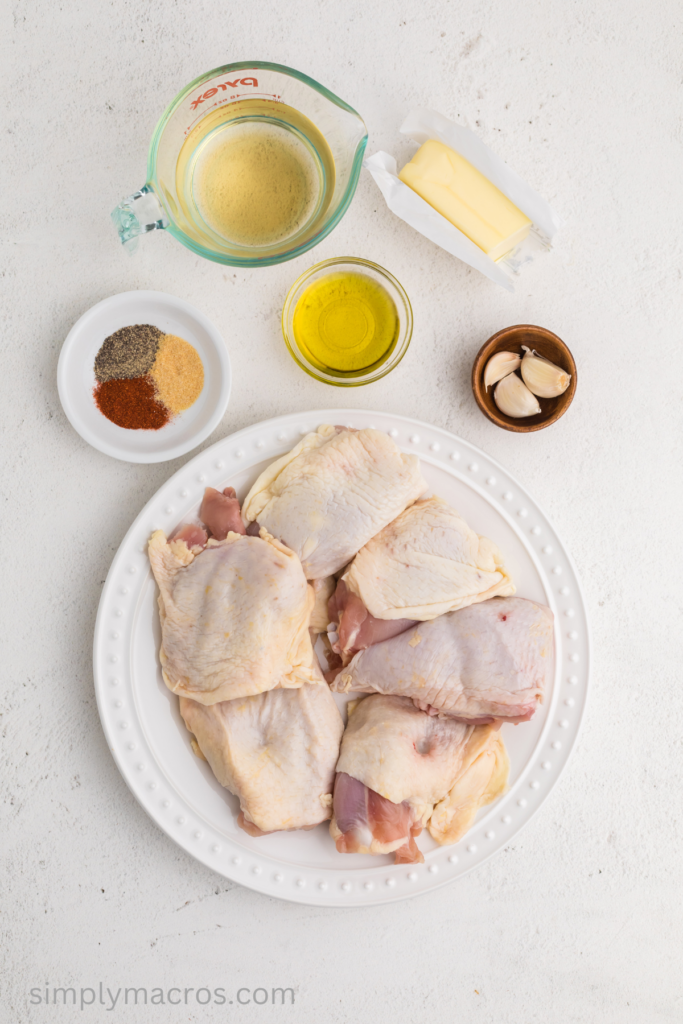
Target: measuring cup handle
138	214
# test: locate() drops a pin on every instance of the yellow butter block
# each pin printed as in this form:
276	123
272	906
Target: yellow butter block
461	194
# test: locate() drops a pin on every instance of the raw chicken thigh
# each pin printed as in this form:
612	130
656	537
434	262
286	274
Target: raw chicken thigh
490	661
234	615
220	512
275	751
400	769
334	491
352	628
425	563
414	608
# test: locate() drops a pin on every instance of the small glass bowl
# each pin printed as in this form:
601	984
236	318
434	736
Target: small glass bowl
392	286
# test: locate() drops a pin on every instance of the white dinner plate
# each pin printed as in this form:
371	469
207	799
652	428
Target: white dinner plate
76	376
151	745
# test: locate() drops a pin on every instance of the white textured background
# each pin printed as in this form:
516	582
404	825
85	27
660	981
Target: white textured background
580	918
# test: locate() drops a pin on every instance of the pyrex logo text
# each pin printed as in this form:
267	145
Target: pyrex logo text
223	85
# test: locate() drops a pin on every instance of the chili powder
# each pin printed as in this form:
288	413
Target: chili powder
131	403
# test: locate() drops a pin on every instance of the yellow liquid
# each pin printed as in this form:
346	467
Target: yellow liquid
255	173
345	323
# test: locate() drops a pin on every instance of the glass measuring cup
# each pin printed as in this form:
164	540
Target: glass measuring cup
204	145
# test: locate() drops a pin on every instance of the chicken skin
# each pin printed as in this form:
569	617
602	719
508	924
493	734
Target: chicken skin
234	615
275	751
490	661
423	564
334	491
400	770
323	589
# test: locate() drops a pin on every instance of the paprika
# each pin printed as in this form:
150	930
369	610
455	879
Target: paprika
131	403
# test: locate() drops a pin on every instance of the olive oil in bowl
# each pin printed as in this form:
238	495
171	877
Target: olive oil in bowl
347	322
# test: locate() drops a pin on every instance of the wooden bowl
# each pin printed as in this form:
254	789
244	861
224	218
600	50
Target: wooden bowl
546	344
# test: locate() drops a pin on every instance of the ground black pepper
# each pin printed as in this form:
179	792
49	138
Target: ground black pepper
128	352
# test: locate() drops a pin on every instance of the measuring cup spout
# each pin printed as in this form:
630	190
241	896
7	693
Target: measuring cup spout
138	214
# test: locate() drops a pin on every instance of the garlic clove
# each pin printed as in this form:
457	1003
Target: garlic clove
542	377
498	366
514	399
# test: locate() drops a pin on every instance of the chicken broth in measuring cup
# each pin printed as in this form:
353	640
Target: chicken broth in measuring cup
254	174
251	164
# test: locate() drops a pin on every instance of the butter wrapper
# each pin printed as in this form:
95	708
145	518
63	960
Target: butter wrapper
421	125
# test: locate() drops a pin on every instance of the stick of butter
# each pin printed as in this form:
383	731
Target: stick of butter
461	194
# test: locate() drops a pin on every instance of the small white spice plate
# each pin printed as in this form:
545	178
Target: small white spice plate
151	746
76	378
